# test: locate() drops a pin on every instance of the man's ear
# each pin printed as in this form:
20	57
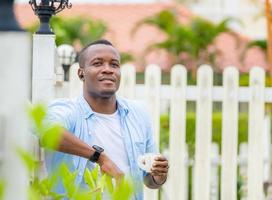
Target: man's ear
80	73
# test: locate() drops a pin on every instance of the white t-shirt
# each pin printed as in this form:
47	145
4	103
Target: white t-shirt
107	134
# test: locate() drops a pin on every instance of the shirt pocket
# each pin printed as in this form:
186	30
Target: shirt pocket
140	148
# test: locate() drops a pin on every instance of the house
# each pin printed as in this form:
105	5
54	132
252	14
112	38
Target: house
122	18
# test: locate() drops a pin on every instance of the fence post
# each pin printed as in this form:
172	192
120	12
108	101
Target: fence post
128	81
152	93
177	134
229	135
203	134
43	71
43	79
255	136
75	84
15	79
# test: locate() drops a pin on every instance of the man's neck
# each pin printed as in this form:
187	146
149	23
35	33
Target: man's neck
102	105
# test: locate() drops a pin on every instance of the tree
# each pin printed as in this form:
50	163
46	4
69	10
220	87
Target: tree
76	31
192	40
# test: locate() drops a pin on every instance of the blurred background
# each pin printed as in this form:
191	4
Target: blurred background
220	32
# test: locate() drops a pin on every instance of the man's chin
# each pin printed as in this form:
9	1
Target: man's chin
107	93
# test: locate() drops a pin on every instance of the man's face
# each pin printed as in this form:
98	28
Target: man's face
101	71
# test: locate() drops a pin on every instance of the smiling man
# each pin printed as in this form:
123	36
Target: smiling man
101	128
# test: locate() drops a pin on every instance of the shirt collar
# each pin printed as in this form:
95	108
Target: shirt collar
121	107
85	106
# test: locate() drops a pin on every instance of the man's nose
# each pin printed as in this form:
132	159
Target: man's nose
107	68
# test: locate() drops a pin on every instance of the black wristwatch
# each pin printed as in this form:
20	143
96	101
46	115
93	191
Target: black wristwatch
98	151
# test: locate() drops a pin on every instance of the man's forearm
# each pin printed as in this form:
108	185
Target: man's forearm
73	145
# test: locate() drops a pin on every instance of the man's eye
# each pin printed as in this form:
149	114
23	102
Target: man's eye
115	65
97	63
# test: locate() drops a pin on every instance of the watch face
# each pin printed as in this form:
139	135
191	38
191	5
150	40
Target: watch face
98	148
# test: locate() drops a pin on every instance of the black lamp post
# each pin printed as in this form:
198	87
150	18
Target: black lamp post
45	9
7	18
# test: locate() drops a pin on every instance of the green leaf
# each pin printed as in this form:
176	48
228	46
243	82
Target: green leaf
28	160
51	136
2	186
102	182
68	180
82	195
33	194
123	191
95	173
89	179
109	185
37	114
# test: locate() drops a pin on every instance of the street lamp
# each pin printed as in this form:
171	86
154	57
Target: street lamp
8	21
67	56
45	9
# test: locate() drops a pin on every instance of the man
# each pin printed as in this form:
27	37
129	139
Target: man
101	128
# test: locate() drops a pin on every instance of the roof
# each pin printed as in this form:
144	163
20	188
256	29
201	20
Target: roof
121	18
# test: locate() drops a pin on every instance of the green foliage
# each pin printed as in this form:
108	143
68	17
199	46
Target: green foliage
74	30
193	39
122	191
28	159
1	189
126	57
44	188
190	130
258	43
49	134
262	44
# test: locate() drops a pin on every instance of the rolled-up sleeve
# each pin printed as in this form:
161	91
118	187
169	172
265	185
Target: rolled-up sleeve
62	111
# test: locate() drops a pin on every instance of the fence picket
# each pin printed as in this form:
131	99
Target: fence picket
229	135
152	91
203	134
75	85
128	81
255	136
177	134
215	162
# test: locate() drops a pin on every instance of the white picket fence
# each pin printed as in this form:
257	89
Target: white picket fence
207	159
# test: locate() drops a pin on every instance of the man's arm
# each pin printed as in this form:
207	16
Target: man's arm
158	174
72	145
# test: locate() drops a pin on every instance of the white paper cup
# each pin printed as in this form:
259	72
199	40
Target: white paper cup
146	161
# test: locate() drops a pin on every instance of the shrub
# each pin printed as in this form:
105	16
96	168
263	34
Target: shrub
190	130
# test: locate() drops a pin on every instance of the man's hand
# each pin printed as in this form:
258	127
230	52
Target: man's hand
158	175
159	170
108	167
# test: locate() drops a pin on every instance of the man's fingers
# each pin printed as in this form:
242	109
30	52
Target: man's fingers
163	164
159	170
160	158
158	174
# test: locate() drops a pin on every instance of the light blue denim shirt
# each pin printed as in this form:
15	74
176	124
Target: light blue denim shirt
77	117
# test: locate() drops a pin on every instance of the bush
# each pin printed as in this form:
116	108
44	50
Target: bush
190	130
39	189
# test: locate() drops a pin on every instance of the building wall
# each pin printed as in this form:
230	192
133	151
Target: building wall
251	15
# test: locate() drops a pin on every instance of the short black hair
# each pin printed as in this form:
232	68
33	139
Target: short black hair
81	57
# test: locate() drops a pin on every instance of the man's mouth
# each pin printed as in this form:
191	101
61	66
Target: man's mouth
107	79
